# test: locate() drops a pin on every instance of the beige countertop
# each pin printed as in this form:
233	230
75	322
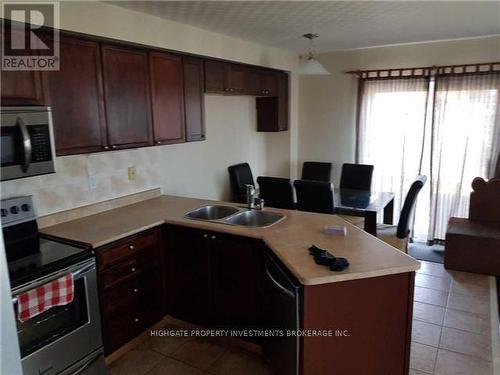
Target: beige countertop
289	239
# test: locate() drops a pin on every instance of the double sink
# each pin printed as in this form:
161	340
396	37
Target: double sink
235	216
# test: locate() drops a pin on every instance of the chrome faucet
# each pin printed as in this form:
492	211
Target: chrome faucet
253	200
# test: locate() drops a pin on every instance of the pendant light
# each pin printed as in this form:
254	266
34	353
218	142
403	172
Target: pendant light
308	64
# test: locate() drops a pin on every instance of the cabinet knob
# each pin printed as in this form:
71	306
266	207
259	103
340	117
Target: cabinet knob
132	269
136	320
231	90
113	146
205	236
131	247
226	89
136	290
263	91
213	237
105	147
158	142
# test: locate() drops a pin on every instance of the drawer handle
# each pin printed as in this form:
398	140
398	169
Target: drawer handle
131	247
205	236
213	237
136	320
132	269
136	290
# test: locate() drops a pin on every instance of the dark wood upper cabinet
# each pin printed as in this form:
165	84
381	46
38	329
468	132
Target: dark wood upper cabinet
238	79
21	87
216	76
76	97
167	97
126	94
272	112
263	82
193	99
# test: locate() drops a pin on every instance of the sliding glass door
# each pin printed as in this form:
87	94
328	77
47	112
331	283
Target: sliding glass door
445	127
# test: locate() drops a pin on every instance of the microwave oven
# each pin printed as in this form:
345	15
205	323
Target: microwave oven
27	142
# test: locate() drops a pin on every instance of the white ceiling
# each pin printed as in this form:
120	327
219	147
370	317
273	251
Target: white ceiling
341	24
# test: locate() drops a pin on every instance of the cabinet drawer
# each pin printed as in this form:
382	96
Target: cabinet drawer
136	291
121	328
127	270
128	247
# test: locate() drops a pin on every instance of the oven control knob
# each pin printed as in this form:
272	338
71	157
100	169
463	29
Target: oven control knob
25	207
4	212
14	210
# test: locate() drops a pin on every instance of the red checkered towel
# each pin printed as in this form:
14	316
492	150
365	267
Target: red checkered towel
56	293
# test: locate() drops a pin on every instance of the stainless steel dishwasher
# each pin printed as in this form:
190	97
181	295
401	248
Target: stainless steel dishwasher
282	298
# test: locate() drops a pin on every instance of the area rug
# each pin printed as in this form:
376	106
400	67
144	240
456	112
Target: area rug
421	251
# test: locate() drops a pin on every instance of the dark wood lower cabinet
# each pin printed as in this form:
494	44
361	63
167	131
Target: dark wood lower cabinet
131	287
213	278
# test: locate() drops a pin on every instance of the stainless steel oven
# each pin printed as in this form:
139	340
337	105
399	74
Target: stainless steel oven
64	339
27	142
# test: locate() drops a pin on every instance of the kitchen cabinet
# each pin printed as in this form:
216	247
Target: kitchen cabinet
76	97
193	99
127	96
213	278
226	78
272	112
131	287
263	82
167	97
20	87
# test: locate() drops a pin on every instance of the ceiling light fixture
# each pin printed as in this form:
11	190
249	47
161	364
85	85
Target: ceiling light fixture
308	64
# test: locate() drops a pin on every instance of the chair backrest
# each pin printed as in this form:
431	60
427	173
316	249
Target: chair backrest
276	192
356	176
485	200
409	207
314	196
240	175
317	171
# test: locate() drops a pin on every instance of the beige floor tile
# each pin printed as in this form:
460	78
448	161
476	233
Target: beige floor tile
428	313
471	278
136	362
416	372
169	366
422	357
450	363
466	321
472	344
470	289
199	353
432	282
431	296
433	269
166	345
239	363
425	333
468	303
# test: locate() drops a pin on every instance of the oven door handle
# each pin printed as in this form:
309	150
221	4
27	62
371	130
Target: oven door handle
87	364
26	143
76	275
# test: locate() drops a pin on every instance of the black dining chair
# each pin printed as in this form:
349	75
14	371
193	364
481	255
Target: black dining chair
314	196
277	192
356	176
397	235
317	171
240	175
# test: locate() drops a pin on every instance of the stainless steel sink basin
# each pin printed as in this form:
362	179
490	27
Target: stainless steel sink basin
255	218
212	212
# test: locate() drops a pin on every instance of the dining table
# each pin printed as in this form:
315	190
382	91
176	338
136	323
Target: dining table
366	204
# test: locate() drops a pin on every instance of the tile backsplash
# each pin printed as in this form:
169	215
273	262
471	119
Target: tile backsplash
84	179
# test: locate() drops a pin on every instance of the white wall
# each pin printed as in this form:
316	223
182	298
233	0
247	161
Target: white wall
197	169
327	104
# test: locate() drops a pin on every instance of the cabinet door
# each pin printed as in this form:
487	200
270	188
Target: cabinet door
20	87
283	111
187	274
126	94
193	99
272	112
167	97
236	276
216	76
238	79
75	94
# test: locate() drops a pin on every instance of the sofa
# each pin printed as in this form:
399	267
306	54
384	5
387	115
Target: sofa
473	244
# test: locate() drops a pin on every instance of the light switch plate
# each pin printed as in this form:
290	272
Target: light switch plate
131	173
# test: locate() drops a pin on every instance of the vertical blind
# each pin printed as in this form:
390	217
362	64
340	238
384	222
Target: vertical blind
446	127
